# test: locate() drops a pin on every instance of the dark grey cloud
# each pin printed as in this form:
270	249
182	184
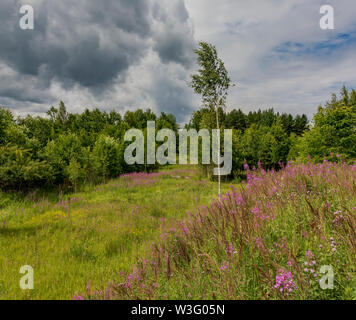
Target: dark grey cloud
68	42
171	50
112	54
174	42
172	98
91	43
129	15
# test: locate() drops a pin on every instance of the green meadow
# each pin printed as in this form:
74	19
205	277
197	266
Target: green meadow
94	235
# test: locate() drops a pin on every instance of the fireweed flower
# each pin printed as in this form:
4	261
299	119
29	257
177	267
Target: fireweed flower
225	266
230	249
284	282
269	206
239	200
259	243
185	230
272	191
333	245
309	254
338	218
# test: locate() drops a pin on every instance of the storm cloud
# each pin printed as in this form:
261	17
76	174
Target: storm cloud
129	54
88	44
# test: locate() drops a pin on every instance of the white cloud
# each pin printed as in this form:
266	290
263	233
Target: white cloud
247	33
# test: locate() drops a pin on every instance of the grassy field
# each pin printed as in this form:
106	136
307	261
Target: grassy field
163	236
289	234
94	235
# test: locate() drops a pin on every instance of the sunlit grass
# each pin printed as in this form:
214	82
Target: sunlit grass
94	235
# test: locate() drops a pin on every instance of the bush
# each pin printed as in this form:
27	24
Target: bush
334	132
18	170
6	119
59	152
107	157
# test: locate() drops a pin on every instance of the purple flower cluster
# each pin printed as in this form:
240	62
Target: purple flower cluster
333	244
338	217
309	254
284	282
259	243
225	266
311	263
230	249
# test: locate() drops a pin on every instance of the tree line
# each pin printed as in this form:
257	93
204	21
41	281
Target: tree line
71	149
269	139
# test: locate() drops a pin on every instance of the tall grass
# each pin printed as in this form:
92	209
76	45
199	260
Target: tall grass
93	235
265	240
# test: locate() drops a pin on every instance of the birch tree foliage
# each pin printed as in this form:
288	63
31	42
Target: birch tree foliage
211	80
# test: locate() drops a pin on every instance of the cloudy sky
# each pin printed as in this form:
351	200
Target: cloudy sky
129	54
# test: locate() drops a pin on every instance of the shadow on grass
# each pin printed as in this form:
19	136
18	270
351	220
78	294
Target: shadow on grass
14	232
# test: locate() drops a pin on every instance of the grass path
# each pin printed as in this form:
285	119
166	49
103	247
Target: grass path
92	235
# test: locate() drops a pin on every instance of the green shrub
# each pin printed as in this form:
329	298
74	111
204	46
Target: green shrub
18	169
106	157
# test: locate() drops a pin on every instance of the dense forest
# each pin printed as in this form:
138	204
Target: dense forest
71	149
